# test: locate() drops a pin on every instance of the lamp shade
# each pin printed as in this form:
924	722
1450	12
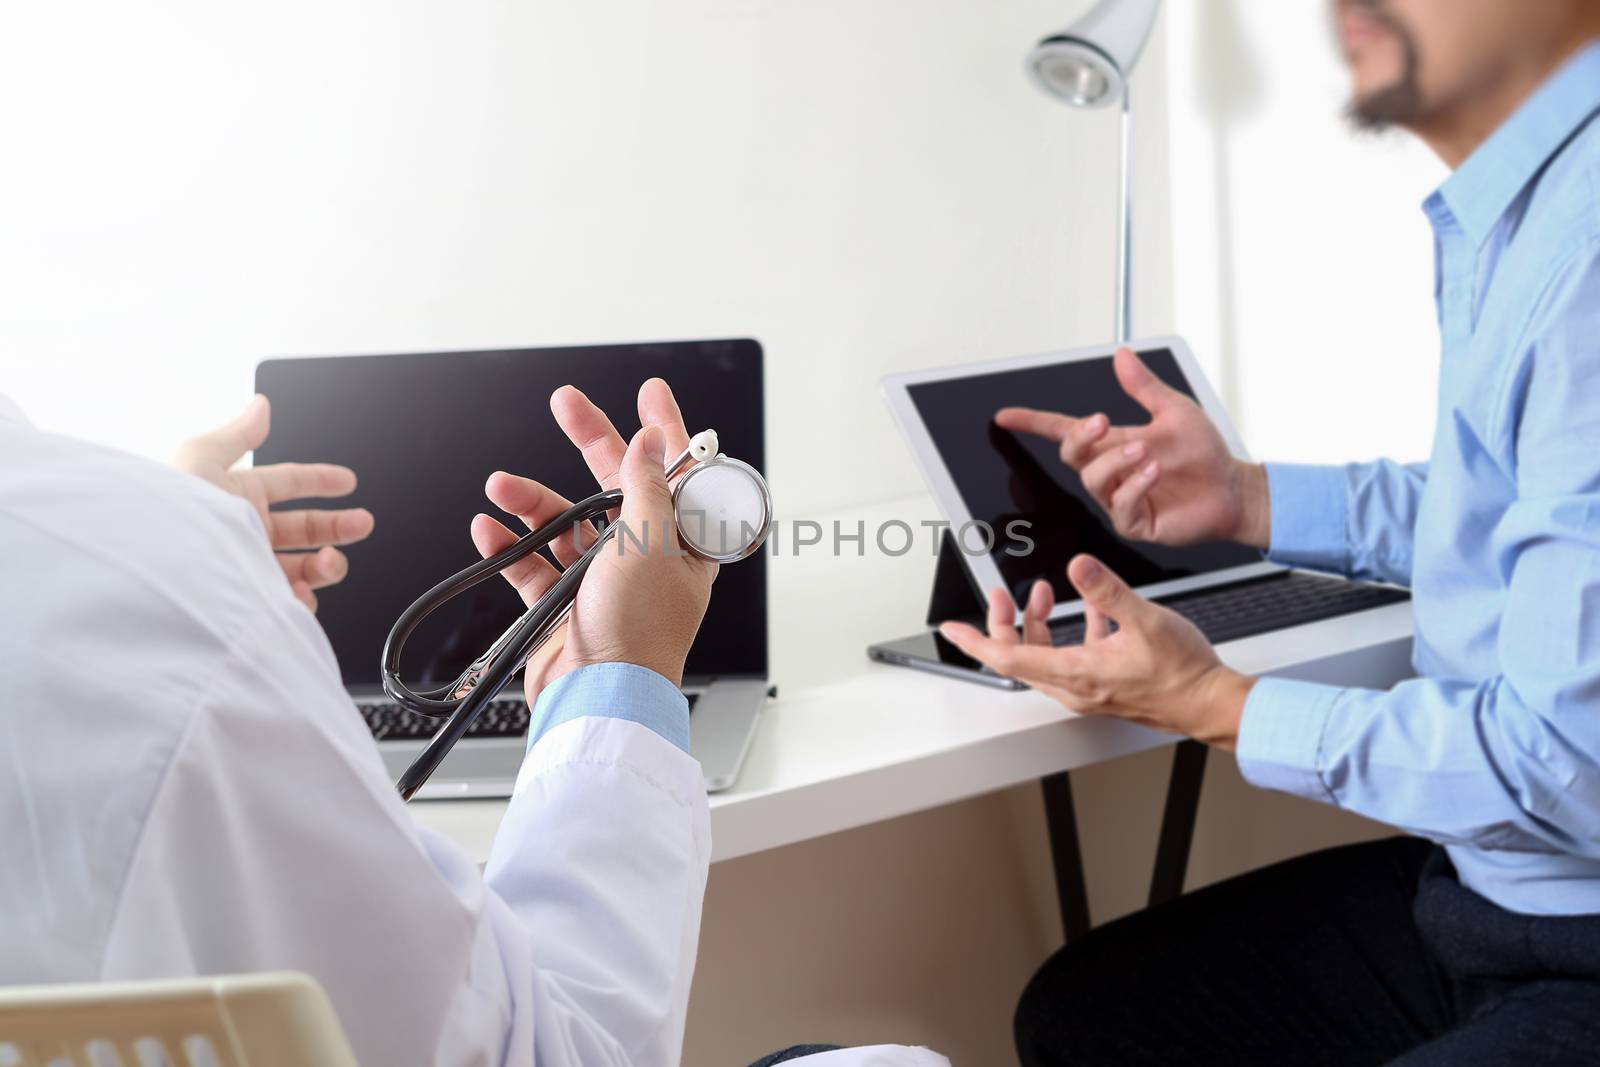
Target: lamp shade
1087	64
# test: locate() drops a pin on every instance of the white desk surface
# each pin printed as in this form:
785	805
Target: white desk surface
849	742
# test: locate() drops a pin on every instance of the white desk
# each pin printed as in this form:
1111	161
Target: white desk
849	742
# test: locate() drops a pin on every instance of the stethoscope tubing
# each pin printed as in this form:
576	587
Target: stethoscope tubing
529	633
490	673
435	703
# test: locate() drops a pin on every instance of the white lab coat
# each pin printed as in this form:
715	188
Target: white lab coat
186	789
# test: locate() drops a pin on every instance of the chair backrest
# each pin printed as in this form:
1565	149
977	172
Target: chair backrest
257	1020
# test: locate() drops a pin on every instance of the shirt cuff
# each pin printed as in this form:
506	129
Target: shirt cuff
1310	516
613	691
1280	737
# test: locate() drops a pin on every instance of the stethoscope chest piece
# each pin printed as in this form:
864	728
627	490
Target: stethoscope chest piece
723	509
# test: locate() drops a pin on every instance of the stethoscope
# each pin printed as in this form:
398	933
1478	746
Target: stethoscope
722	510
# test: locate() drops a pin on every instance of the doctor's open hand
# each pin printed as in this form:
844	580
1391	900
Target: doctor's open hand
1157	669
643	597
1173	481
302	539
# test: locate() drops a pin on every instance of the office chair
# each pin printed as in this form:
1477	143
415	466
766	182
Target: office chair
254	1020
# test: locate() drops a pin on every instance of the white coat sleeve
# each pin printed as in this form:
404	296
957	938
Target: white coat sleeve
275	840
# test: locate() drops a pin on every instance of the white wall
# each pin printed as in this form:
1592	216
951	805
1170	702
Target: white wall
865	187
1303	263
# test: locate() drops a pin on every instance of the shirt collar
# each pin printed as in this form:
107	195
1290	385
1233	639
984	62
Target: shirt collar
9	412
1484	187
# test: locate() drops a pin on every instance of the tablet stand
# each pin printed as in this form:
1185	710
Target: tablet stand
956	596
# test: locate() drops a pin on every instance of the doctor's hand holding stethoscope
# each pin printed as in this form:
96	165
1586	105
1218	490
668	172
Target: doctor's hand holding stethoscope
607	623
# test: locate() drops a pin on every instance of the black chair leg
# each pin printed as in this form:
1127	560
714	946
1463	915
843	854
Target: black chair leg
1177	821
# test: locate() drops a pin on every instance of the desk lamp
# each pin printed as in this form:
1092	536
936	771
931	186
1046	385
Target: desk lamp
1087	65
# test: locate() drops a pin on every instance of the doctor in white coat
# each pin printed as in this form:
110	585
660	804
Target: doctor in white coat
186	788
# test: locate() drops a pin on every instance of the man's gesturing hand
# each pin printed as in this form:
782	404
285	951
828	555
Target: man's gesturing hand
1173	481
1156	670
640	605
302	539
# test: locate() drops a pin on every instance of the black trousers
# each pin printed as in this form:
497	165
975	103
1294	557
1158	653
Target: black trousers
1368	954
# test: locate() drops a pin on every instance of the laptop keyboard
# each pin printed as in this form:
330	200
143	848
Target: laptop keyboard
1259	606
388	721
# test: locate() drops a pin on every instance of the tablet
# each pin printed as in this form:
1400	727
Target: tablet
1017	512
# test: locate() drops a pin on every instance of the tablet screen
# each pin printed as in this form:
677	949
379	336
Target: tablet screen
1004	477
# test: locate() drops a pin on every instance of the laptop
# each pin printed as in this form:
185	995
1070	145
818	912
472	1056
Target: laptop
423	431
988	479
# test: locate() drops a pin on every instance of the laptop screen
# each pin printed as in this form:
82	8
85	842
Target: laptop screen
424	431
1003	476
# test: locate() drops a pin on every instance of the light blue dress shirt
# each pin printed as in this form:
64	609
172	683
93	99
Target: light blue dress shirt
1494	750
614	691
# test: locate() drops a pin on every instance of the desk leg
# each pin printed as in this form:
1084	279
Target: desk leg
1062	821
1177	821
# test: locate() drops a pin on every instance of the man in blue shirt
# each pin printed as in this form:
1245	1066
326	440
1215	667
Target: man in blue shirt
1482	946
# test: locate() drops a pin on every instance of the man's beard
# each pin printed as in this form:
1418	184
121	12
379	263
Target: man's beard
1398	104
